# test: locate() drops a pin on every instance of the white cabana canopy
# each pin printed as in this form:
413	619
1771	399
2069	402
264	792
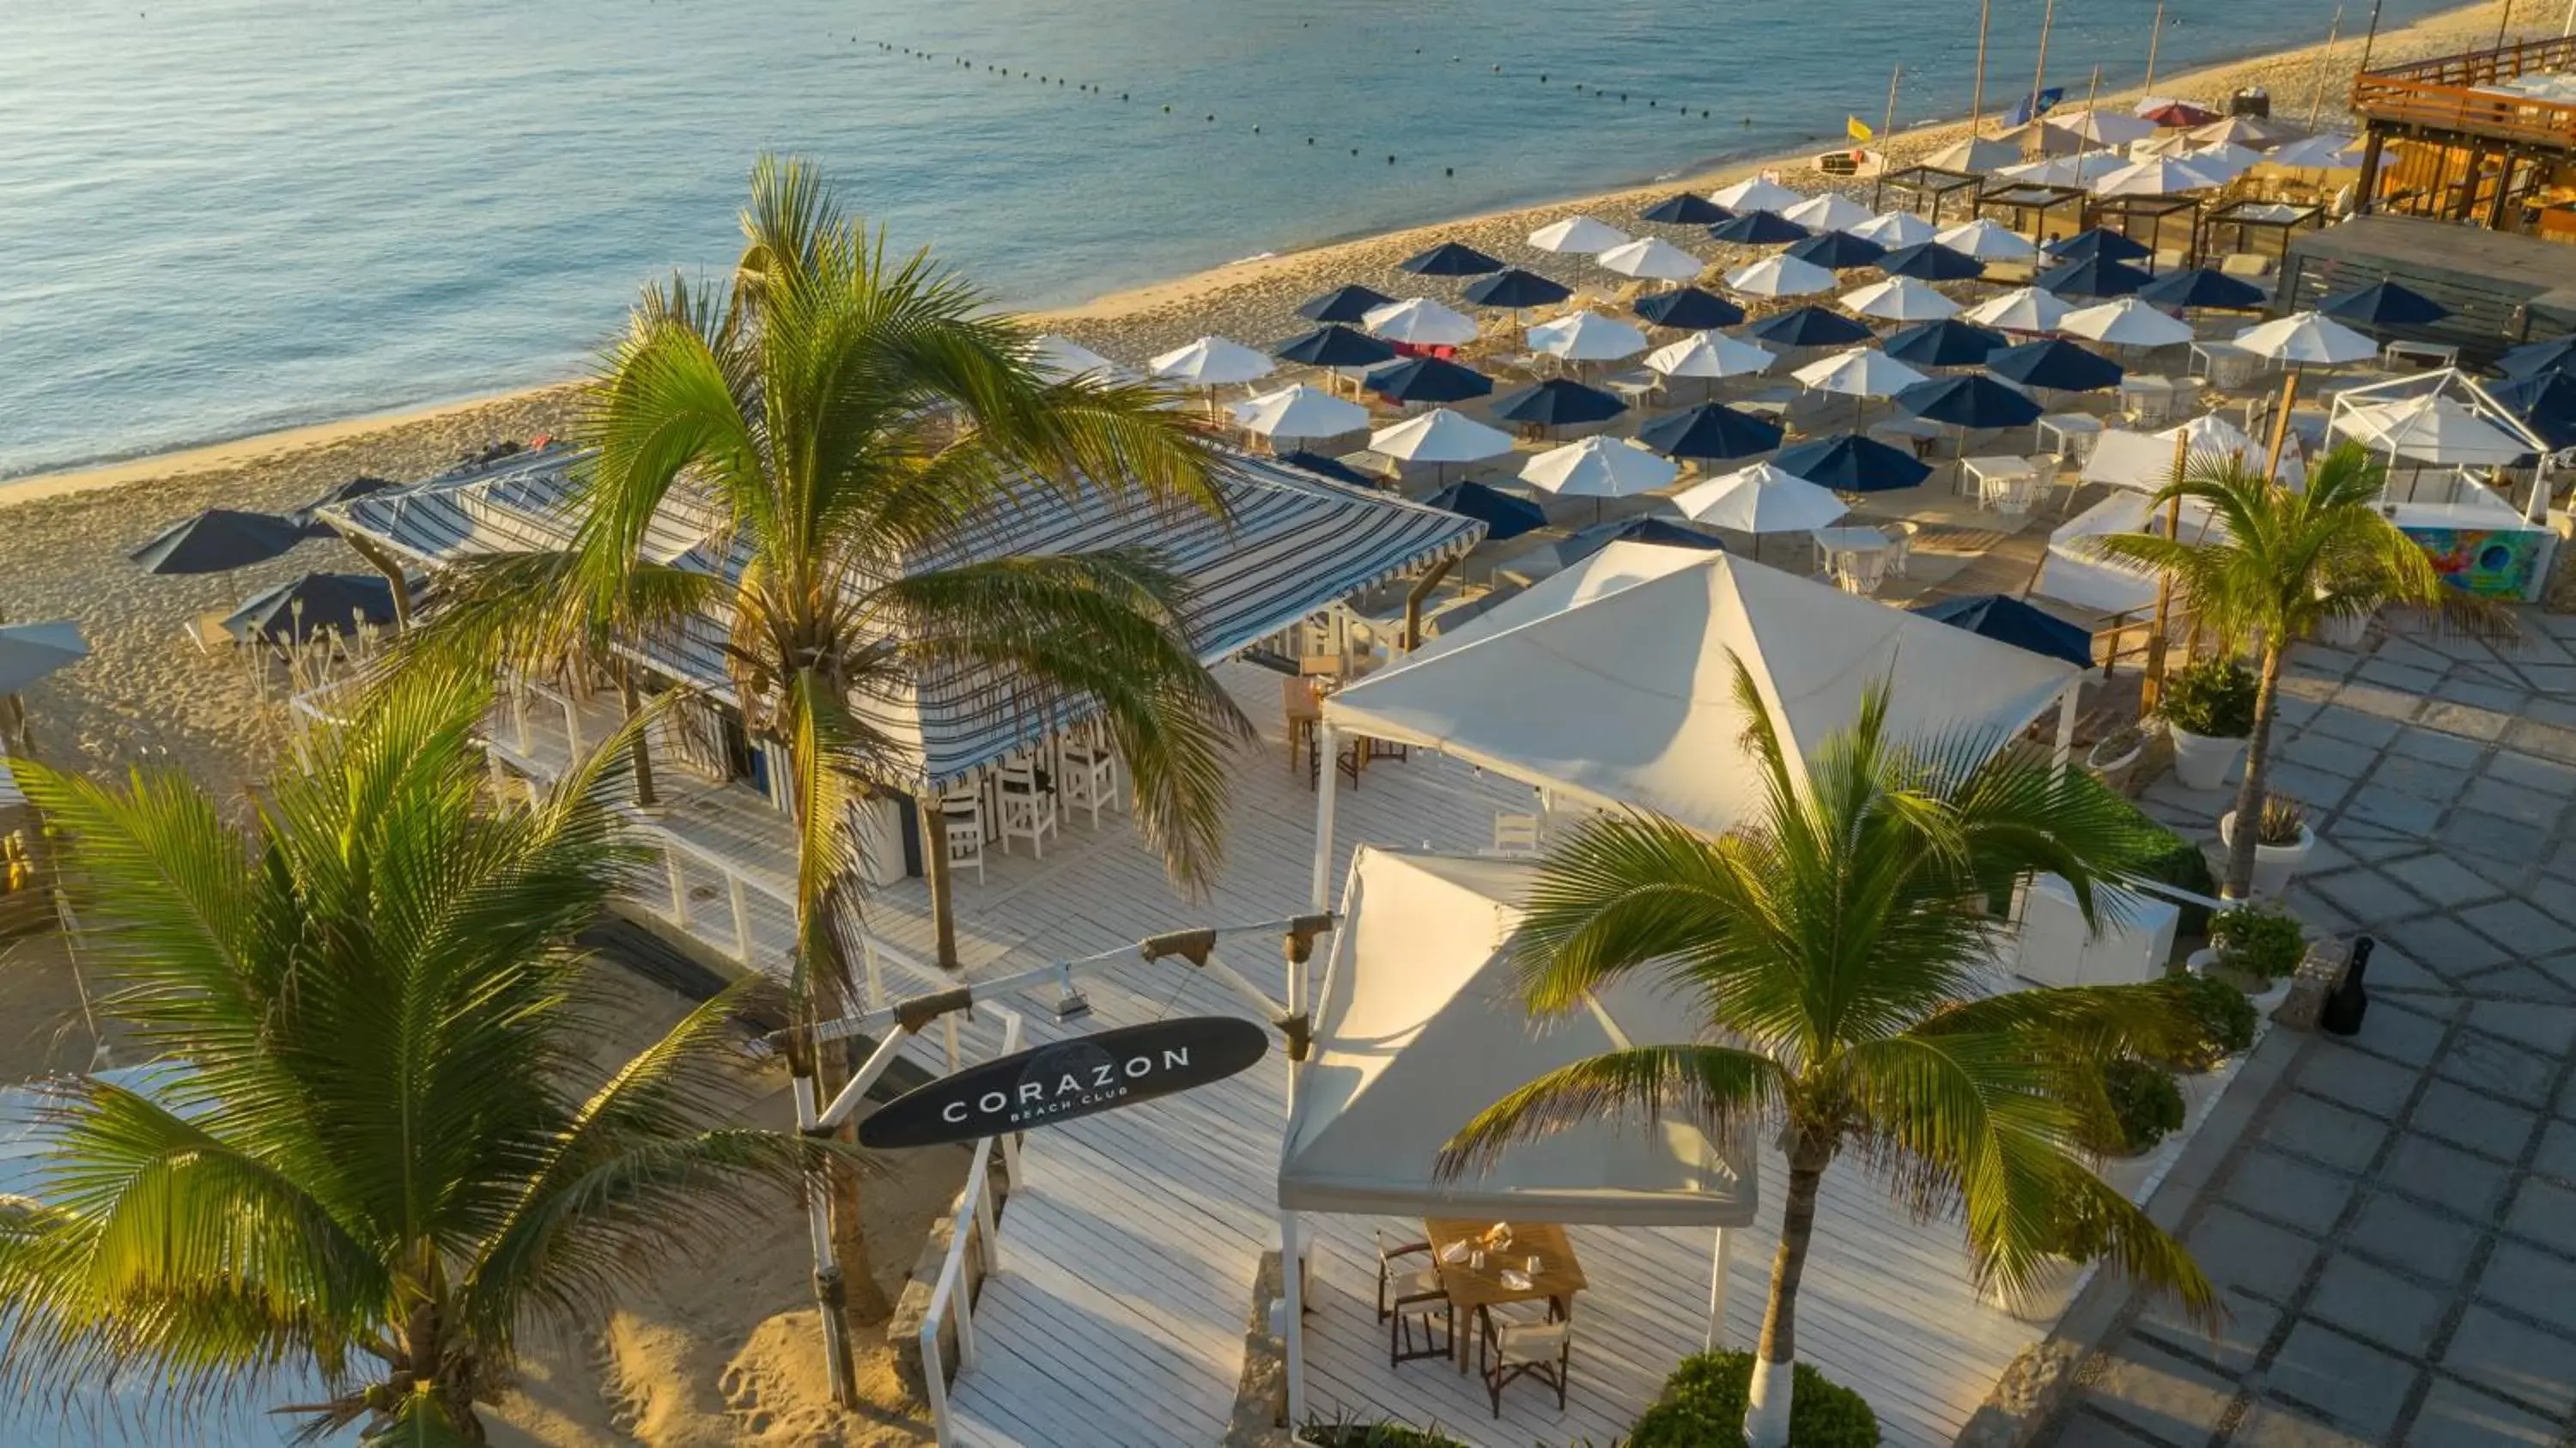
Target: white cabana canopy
1830	211
1892	229
2435	429
1900	299
2075	571
2144	461
1630	699
1212	362
1710	354
1587	337
1780	276
1651	259
2023	309
1577	236
1418	1027
1755	194
1421	321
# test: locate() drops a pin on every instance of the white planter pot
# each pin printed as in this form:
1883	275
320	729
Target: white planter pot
2113	764
2203	762
2343	632
2275	866
2052	1288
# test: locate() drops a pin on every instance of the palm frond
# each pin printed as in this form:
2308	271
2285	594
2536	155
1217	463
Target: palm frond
1722	1090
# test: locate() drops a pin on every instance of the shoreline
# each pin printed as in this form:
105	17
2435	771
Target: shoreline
1242	294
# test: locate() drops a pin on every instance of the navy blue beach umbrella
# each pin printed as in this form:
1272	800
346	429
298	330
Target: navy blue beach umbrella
2098	242
1948	342
2097	276
1809	326
358	487
1429	379
2384	304
1333	468
1972	401
1516	289
1838	250
2055	363
1849	463
1342	304
1503	515
1685	208
218	540
1709	433
2553	354
2011	621
1334	345
1643	528
1930	261
1688	308
2546	403
1450	259
1757	228
317	603
2201	287
1557	402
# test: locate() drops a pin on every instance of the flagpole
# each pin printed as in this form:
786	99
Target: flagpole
2155	39
1887	128
2039	77
1977	106
2325	64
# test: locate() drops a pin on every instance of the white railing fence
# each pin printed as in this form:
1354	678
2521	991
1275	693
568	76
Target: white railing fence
975	1222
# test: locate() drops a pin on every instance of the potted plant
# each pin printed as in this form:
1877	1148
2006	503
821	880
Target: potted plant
2115	755
2282	843
2208	708
2257	947
2079	1235
2224	1023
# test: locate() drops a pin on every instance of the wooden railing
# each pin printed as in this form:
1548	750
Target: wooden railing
2449	93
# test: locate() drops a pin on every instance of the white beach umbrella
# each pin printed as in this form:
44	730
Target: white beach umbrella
1710	354
1780	276
1577	236
2225	160
1900	299
1755	194
1211	362
2162	143
1440	436
2106	128
2156	176
2241	131
1599	467
2078	170
1893	229
1975	157
1057	359
1652	259
2318	153
1587	337
2024	309
1421	321
1860	372
1299	411
2209	433
2307	338
1760	499
2126	322
1987	239
2433	429
1831	211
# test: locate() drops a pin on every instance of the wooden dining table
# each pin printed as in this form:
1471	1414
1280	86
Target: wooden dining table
1470	1287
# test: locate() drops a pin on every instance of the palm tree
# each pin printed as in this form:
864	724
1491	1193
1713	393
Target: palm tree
2287	562
843	413
1839	948
386	1157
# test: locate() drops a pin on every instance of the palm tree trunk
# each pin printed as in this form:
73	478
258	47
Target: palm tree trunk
934	873
628	699
2249	795
1766	1412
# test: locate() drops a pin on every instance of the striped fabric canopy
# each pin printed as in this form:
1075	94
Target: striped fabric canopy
1293	544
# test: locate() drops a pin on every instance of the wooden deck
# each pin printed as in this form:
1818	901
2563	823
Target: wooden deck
1118	1315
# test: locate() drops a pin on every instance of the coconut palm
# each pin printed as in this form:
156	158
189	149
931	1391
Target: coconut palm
1839	949
2285	563
381	1155
845	415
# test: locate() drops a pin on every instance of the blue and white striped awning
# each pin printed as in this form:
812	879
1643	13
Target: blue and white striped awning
1291	545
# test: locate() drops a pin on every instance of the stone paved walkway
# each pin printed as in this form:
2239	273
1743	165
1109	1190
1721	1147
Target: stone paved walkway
2396	1235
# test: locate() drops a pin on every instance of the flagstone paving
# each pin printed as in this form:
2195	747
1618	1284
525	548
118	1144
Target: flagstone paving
2395	1237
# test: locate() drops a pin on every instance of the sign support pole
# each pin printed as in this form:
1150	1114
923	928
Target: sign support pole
1320	896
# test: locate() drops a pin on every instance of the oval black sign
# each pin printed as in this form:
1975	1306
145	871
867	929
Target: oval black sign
1067	1080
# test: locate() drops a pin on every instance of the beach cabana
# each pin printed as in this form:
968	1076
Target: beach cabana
1688	307
1950	176
2032	208
2146	219
2247	227
218	540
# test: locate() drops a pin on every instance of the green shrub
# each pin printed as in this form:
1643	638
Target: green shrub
2223	1016
2213	697
2145	1106
2169	859
2258	941
1703	1407
1351	1433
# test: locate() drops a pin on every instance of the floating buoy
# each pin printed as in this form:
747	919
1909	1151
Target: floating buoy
1498	70
1256	130
1391	160
1310	140
1167	110
1650	105
1211	115
1448	170
1355	150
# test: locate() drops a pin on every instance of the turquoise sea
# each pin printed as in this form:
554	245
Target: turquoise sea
219	217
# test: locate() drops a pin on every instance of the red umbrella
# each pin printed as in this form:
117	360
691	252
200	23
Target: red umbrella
2179	113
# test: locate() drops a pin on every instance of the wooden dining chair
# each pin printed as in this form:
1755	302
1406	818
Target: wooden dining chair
1410	1296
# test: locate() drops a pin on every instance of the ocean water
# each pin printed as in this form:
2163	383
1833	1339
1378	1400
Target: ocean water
223	216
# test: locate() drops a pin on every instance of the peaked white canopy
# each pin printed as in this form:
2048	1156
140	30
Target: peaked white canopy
1421	321
1755	194
1760	499
1605	570
1587	337
1599	467
1900	299
1987	239
2309	337
1440	436
2156	176
1710	354
1212	362
1629	699
1780	276
1577	236
1418	1027
2242	131
2144	461
1300	411
2024	309
1651	259
1831	211
1058	359
1860	372
1893	229
2431	429
1974	157
2126	322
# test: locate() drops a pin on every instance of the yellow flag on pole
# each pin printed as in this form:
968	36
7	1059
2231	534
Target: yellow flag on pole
1858	128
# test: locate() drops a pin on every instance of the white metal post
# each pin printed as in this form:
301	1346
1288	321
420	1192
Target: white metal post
1293	1304
1321	895
1719	1256
741	918
679	887
2066	723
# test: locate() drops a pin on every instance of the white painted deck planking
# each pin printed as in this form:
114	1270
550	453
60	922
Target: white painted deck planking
1118	1316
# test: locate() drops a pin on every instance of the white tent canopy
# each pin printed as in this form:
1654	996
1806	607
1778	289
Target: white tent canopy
2076	571
1630	699
1608	569
1418	1027
2431	429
